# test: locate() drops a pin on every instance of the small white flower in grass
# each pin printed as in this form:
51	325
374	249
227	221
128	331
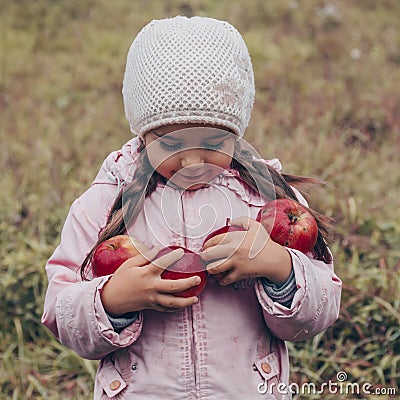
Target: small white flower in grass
355	54
330	10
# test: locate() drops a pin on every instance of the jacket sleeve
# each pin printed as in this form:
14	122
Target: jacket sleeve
315	305
73	310
316	302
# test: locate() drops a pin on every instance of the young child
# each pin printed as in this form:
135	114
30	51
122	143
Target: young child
188	92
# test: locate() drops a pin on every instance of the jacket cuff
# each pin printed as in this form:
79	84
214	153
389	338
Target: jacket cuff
315	305
284	293
120	323
123	335
275	308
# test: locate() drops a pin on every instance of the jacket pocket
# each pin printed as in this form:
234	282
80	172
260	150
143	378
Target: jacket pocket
269	371
110	380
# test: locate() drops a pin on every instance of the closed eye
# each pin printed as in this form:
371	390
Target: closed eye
178	146
170	147
214	146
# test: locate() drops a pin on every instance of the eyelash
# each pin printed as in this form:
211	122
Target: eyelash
170	147
175	147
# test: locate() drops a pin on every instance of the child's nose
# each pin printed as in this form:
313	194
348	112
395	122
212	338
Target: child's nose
192	157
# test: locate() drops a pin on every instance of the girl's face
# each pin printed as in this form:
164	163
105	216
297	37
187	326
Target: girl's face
189	155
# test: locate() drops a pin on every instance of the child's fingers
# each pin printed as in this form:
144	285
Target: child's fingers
243	222
178	285
214	241
227	276
143	258
228	279
221	251
163	262
219	276
170	303
219	267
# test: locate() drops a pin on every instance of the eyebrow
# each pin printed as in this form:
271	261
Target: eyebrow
220	135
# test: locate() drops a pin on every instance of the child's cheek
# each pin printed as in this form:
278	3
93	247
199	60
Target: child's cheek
163	164
165	168
223	161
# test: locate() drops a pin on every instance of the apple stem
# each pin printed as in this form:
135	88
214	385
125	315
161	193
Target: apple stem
227	221
292	218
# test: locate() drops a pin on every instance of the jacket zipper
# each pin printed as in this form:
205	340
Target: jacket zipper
190	310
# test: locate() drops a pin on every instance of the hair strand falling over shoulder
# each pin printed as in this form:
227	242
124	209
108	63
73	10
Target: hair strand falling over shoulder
255	172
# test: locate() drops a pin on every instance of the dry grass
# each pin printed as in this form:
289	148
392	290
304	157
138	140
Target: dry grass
328	89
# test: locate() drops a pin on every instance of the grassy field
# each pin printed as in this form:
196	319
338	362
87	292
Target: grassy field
328	105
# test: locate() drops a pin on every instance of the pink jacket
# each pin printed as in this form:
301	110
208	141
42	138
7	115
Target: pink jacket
230	345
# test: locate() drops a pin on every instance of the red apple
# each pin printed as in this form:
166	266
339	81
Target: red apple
290	224
189	265
225	229
110	254
221	231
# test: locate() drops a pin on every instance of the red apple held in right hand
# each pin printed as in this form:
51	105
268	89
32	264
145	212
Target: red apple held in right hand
189	265
290	224
225	229
222	231
110	254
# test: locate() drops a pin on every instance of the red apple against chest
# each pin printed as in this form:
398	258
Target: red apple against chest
223	230
290	224
110	254
189	265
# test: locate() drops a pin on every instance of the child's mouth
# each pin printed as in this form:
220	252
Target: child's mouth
194	178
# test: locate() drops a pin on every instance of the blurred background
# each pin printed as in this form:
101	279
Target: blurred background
327	105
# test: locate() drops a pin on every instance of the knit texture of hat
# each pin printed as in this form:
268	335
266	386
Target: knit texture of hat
188	70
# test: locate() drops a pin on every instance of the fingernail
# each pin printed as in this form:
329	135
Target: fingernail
197	280
196	300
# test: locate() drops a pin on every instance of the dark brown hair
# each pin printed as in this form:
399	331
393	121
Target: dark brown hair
257	174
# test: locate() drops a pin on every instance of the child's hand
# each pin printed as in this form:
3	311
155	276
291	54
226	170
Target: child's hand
246	254
133	289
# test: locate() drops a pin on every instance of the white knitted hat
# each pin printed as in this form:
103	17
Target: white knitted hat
188	70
